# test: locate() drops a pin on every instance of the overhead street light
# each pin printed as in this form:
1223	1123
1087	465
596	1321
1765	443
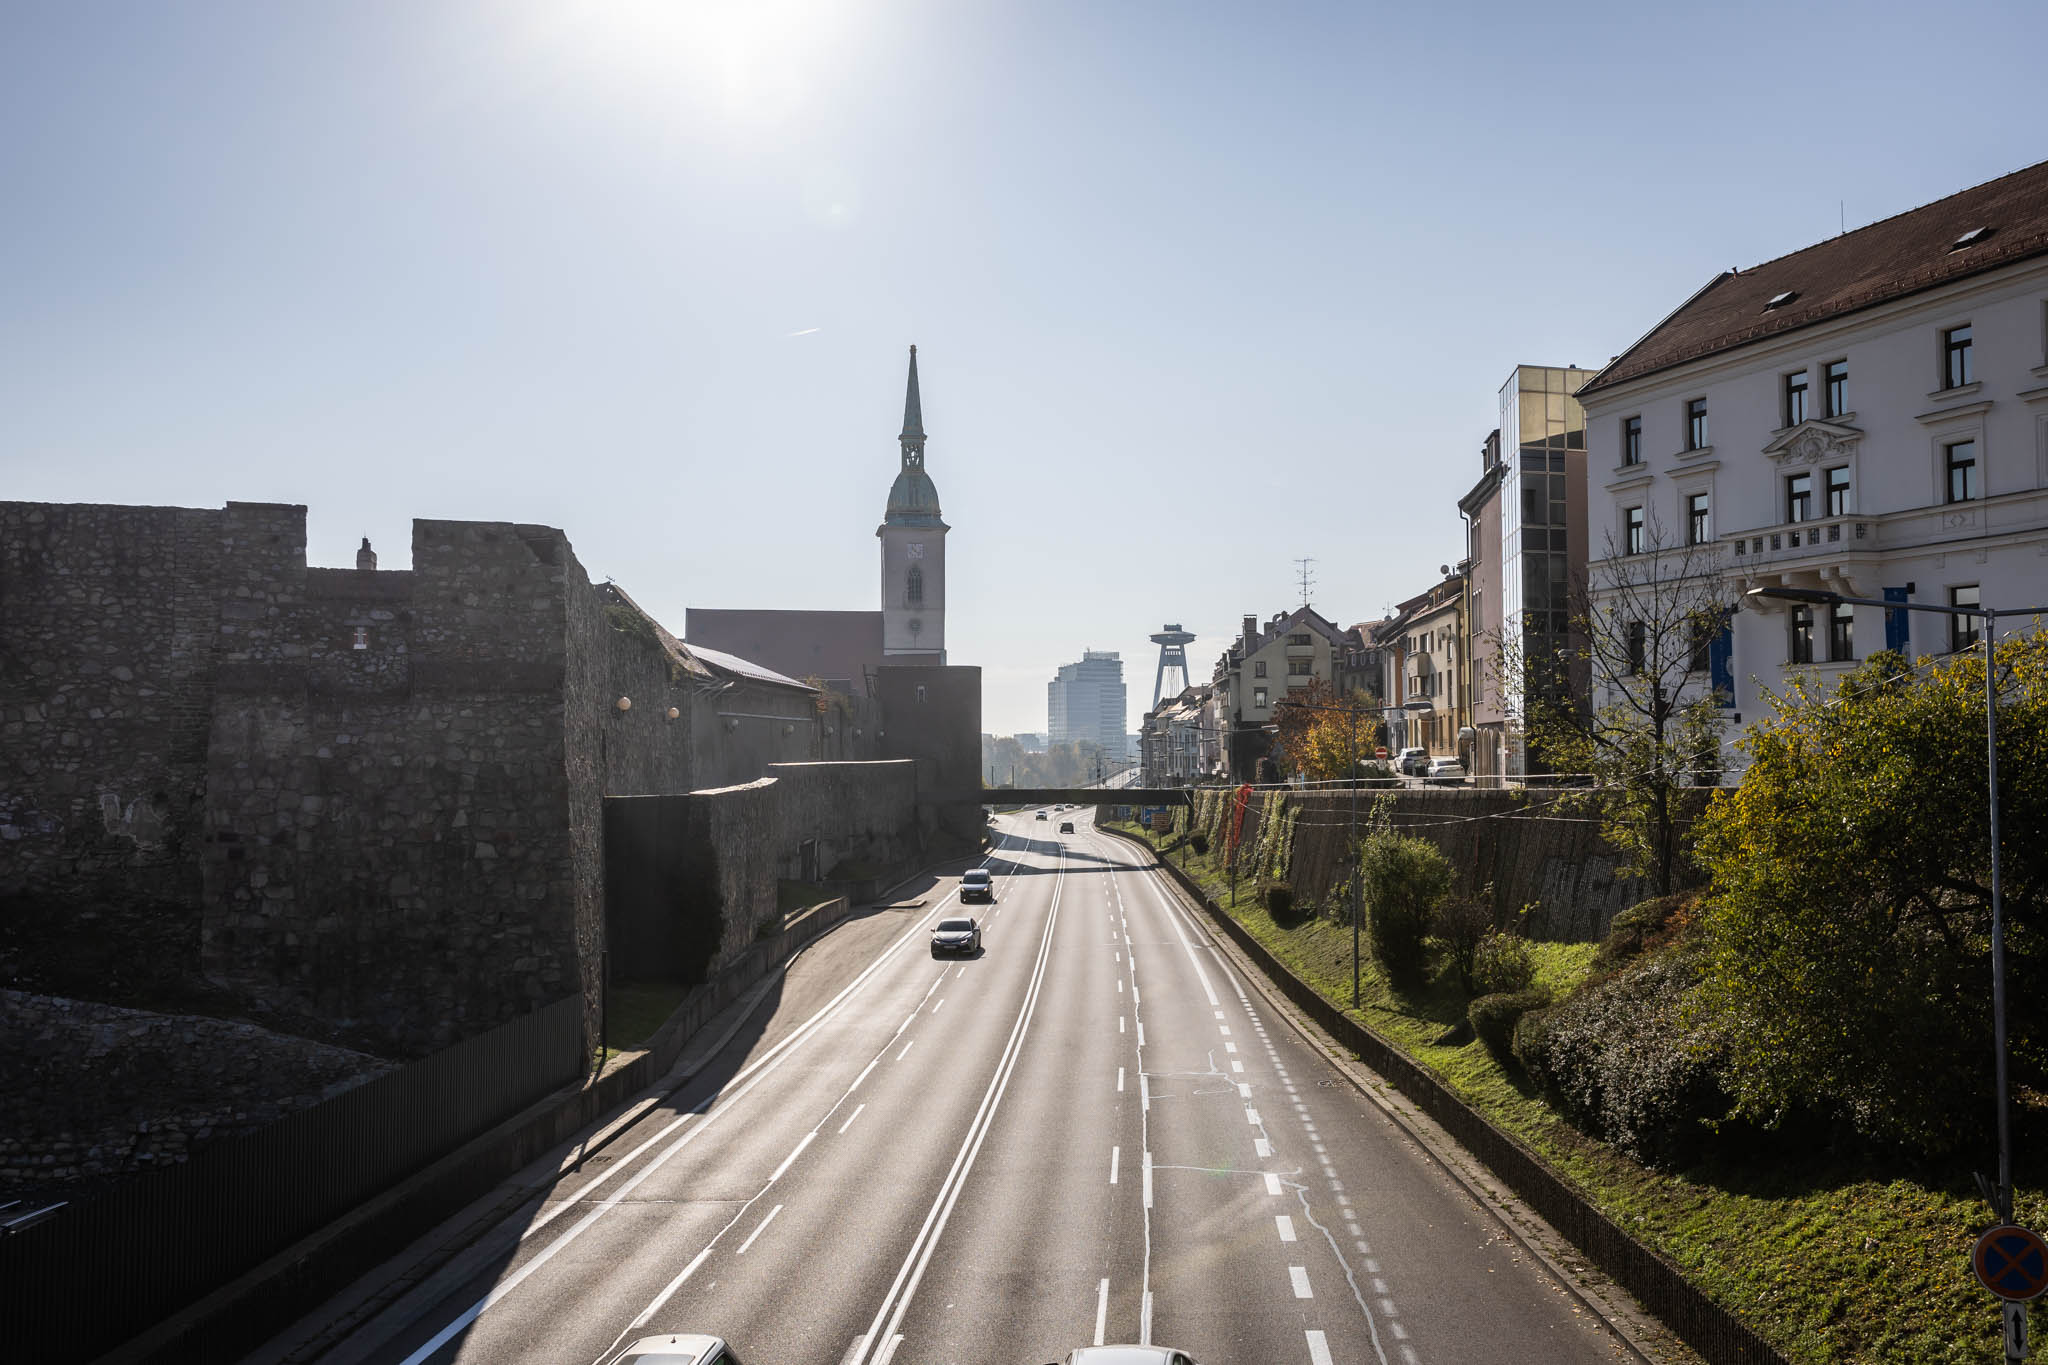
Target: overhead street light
2002	1194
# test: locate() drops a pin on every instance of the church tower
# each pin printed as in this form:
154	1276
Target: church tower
913	549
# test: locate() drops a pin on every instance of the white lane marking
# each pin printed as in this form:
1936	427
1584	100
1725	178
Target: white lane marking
864	1072
906	1049
1272	1183
1119	985
853	1351
1219	1014
1119	1080
1101	1309
1119	956
1379	1286
1114	1152
1244	1092
941	1005
1144	1091
1141	1033
903	1289
1251	1116
792	1156
673	1285
1262	1147
1230	1047
1119	1023
1145	1326
1318	1349
1148	1180
1286	1226
1223	1029
759	1228
1237	1067
888	1353
1299	1274
1134	994
851	1117
962	971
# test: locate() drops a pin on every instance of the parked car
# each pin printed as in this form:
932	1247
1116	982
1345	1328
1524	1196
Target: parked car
674	1349
956	936
1412	762
1066	826
1446	772
977	884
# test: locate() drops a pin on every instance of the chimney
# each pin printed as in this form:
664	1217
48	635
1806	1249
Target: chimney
1251	631
366	558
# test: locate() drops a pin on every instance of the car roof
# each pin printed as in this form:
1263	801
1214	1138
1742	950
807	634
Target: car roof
677	1345
1121	1355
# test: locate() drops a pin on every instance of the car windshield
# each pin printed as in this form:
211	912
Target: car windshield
974	875
955	926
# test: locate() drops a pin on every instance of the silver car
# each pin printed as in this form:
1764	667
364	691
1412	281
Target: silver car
676	1349
1128	1355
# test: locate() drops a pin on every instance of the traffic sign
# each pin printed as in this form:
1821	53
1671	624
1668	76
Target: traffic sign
2011	1262
2015	1332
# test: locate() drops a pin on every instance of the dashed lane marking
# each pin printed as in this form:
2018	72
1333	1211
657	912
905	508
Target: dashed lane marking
851	1117
1299	1274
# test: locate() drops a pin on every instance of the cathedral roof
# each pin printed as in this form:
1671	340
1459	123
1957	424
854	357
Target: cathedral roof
913	498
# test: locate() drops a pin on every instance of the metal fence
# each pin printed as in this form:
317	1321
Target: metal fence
107	1269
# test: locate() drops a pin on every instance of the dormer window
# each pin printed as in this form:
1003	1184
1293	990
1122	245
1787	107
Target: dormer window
1780	300
1970	238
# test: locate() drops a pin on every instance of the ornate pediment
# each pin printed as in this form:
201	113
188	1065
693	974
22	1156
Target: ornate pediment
1813	441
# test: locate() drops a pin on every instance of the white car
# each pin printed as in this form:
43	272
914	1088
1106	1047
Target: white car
1413	762
676	1349
1128	1355
1446	772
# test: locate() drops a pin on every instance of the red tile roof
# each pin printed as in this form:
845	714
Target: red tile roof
1887	260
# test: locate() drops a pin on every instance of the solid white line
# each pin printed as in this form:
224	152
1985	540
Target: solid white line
759	1228
1318	1349
851	1117
853	1351
673	1285
1272	1183
1299	1274
888	1353
1286	1226
1101	1309
1145	1326
1113	1154
792	1156
906	1049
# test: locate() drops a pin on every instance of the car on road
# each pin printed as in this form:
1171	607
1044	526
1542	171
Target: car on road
1446	772
956	935
1041	815
1128	1355
1412	762
977	884
1066	826
676	1349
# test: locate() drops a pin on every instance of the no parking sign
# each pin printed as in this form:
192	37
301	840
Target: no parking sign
2011	1262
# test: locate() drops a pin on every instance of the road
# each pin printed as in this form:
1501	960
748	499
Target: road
1095	1131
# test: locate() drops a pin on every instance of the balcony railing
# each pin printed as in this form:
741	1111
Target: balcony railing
1827	537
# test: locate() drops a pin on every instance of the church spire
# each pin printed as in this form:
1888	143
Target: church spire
913	416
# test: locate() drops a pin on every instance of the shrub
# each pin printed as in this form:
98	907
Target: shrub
1494	1017
1460	927
1199	841
1278	898
1403	879
1502	963
1619	1061
1378	775
1646	926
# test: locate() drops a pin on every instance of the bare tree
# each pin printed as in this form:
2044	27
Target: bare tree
1629	699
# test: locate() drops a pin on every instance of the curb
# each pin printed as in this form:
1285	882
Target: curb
1653	1281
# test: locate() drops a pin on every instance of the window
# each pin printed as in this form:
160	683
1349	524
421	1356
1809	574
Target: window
1699	644
1696	424
1956	368
1799	497
1632	531
1964	630
1842	632
1838	388
1298	667
1259	698
1258	668
1838	491
1638	645
1795	398
1698	526
1959	463
1631	440
1300	639
913	586
920	691
1802	635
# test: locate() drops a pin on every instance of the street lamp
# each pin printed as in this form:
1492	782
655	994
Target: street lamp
1350	714
2001	1195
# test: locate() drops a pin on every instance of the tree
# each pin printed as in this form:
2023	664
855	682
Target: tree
1320	744
1848	926
1403	879
1642	634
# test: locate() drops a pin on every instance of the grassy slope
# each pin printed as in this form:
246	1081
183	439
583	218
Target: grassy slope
1830	1258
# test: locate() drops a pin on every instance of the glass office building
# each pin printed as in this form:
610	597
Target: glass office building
1542	526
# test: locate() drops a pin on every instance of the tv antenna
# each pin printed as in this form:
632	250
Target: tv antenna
1307	579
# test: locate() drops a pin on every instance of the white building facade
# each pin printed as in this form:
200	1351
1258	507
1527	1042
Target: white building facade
1868	416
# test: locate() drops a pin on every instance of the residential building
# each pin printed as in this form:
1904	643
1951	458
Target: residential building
1171	748
1260	668
1867	415
1086	703
1487	755
1433	658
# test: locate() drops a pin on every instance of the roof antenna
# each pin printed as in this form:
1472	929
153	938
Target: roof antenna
1841	216
1308	579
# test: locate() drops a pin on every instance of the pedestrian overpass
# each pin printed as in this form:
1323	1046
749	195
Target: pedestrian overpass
1061	796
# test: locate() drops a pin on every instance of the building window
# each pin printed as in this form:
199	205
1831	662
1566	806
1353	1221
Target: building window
1258	668
1259	698
921	692
362	640
1842	632
1838	387
1632	531
1956	367
913	586
1795	398
1300	639
1959	462
1802	635
1698	525
1631	440
1299	667
1638	645
1696	424
1838	491
1700	644
1964	630
1799	497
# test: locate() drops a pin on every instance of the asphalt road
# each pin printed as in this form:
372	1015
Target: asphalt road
1094	1131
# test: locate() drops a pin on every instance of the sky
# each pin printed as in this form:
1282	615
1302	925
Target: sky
1198	290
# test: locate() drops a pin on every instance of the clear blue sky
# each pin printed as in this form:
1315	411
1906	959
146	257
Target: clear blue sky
1197	289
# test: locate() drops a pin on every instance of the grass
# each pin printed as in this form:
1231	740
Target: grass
636	1010
1831	1257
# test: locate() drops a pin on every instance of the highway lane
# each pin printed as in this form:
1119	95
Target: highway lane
1094	1131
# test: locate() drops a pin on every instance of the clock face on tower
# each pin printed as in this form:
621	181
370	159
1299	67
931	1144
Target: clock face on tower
914	551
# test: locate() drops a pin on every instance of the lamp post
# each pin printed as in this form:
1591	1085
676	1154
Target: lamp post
2001	1195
